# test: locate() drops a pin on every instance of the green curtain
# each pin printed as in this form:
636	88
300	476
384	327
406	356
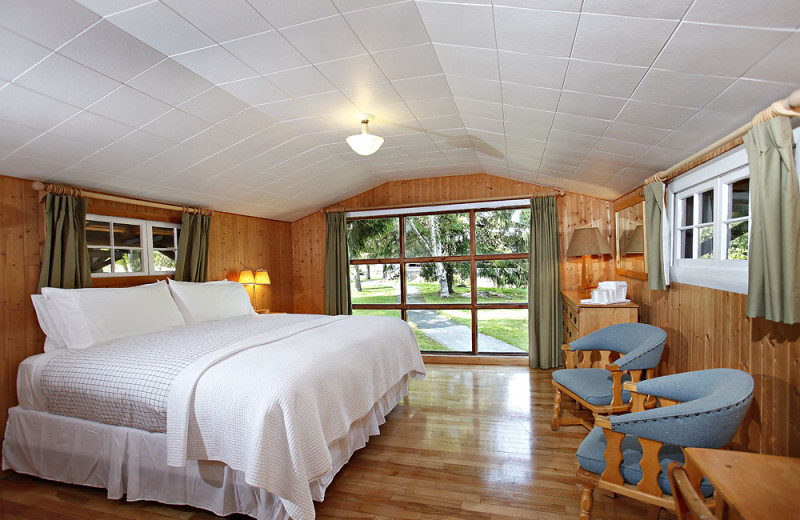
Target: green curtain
774	257
337	266
654	210
192	264
65	258
544	289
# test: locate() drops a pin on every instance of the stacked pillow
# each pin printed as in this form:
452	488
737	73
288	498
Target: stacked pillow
82	318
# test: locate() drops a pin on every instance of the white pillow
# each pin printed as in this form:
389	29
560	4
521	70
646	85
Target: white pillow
48	323
88	317
211	301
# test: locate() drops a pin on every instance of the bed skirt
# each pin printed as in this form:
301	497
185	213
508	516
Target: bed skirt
132	463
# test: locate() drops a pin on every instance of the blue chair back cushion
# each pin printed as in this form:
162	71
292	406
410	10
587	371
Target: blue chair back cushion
641	344
590	457
593	385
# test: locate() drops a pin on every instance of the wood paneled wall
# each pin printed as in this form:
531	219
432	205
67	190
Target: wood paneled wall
308	234
235	241
708	328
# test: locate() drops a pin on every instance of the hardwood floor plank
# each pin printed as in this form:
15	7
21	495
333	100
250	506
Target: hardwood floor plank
469	443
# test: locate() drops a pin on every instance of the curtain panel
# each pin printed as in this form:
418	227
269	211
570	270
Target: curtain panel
774	256
192	264
337	266
654	211
544	289
65	257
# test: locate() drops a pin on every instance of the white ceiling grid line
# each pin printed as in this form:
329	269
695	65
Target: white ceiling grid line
244	105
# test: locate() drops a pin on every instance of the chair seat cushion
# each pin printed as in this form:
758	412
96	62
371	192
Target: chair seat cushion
590	457
593	385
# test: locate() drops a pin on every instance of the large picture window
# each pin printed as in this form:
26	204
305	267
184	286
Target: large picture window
459	277
128	247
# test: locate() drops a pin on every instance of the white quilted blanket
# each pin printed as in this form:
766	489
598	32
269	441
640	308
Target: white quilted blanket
270	406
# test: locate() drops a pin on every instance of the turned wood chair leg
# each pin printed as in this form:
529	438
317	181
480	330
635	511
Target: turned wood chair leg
556	410
587	501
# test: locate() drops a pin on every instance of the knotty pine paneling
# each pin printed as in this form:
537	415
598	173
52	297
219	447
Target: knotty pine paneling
708	328
235	241
308	234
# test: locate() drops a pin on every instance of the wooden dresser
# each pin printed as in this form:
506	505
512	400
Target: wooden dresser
580	319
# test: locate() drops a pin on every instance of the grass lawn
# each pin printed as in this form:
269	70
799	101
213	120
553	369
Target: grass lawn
430	293
376	291
508	325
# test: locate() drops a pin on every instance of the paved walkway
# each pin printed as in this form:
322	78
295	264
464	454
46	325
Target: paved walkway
452	335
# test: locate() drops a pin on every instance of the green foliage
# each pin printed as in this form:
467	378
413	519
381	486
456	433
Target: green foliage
373	238
502	231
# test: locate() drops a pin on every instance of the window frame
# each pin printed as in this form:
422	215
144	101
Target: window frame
146	244
473	258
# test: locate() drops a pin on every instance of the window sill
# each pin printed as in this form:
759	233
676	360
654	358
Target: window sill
731	279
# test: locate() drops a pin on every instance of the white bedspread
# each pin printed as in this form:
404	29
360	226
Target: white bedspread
270	407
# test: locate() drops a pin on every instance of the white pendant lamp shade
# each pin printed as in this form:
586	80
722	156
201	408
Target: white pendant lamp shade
365	143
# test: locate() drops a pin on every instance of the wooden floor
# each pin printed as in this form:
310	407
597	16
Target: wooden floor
470	442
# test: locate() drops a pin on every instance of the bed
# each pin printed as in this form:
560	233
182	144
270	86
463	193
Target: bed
251	414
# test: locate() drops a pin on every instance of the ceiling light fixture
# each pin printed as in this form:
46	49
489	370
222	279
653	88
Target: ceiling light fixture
365	143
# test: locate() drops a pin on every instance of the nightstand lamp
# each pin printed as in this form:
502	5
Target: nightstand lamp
260	277
586	242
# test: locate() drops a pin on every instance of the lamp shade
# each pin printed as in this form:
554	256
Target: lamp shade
365	143
246	277
636	242
588	241
262	277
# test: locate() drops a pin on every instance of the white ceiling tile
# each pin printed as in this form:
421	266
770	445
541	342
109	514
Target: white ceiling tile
526	131
408	62
211	140
548	33
24	107
388	26
605	79
309	125
474	26
597	158
255	91
426	87
302	81
215	64
222	21
635	133
309	106
751	94
528	69
530	97
622	40
48	23
357	71
764	13
63	79
107	7
381	100
685	142
673	10
282	14
170	82
92	129
580	124
324	40
126	153
476	107
130	107
432	124
650	114
176	126
111	51
266	52
527	116
679	88
55	148
590	105
475	88
247	123
468	61
709	122
554	5
717	50
12	135
774	66
618	147
19	54
161	28
213	105
434	107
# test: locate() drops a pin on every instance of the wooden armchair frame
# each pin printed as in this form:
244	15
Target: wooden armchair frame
583	359
647	489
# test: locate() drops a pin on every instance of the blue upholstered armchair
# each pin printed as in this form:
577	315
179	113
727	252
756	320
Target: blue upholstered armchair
629	454
600	389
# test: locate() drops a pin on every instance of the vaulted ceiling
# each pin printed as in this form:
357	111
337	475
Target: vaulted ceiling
244	105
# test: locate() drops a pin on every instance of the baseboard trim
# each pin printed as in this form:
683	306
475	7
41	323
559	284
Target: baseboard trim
475	360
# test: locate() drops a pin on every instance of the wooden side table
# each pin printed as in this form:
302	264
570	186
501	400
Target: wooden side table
580	318
757	486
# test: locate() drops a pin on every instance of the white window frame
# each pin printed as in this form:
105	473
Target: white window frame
147	249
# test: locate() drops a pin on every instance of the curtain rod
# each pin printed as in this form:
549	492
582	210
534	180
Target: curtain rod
57	189
551	193
789	107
